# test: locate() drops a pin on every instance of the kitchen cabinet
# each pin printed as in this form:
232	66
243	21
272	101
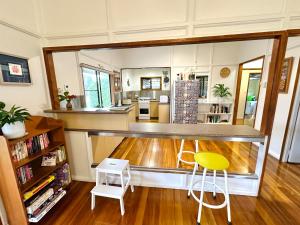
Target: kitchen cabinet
153	109
164	113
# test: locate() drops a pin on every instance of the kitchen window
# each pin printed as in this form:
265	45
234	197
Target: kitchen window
151	83
97	90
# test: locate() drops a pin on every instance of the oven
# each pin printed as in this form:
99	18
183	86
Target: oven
144	108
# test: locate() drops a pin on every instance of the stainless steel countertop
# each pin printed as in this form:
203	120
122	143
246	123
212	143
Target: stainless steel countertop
91	110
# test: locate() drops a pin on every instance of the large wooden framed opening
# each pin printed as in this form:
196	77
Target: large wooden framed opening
277	56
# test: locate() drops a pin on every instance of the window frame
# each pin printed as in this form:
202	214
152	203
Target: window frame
98	84
150	78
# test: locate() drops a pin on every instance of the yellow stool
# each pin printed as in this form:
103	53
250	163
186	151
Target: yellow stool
211	161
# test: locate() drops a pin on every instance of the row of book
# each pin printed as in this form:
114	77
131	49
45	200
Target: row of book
24	174
216	119
42	210
54	157
40	199
216	108
33	145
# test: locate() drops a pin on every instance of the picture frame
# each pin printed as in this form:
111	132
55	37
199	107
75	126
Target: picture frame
14	70
286	72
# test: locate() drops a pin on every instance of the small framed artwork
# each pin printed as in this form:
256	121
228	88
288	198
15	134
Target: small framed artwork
286	71
14	70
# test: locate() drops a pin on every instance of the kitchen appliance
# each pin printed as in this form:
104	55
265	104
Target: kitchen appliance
164	99
144	108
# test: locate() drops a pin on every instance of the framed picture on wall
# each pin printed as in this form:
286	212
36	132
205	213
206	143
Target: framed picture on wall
14	70
286	71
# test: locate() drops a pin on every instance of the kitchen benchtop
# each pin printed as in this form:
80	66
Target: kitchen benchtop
91	110
186	131
151	100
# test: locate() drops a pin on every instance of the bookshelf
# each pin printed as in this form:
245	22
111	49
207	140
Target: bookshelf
25	182
215	113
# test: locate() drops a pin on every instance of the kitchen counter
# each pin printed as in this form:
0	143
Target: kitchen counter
187	131
93	118
91	110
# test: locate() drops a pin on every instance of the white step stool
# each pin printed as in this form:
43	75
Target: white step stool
116	167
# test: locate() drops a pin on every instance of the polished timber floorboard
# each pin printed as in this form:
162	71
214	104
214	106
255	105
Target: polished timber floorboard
279	204
162	153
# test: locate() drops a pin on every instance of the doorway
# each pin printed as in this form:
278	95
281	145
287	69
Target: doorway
247	92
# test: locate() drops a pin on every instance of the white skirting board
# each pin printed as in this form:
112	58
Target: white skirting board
238	184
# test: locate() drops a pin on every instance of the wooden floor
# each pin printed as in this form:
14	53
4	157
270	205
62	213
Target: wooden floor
162	153
279	204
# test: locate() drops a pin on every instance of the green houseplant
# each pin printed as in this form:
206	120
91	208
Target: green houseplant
12	121
219	90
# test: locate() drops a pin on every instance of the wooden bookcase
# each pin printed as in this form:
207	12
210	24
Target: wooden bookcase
12	191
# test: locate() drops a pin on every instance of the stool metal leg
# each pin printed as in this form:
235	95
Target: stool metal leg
214	188
180	152
227	197
192	179
197	145
201	196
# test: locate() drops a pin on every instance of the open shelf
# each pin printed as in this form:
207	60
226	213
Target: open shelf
39	175
51	147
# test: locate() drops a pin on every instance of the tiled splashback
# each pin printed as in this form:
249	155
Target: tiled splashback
133	95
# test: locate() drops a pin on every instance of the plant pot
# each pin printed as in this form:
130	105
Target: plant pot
14	130
69	105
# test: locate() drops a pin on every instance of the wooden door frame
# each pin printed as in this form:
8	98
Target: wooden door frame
291	33
238	85
257	94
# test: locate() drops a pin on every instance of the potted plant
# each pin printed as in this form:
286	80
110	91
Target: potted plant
12	121
219	90
64	95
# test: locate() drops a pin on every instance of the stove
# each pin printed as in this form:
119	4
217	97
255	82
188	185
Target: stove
144	108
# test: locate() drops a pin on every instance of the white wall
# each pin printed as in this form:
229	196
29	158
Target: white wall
134	77
97	21
284	101
35	96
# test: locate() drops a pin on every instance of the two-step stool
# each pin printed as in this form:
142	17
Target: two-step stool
112	167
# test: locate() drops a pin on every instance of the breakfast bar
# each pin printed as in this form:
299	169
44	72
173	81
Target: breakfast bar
243	184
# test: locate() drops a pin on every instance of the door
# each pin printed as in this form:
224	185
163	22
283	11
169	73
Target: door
294	152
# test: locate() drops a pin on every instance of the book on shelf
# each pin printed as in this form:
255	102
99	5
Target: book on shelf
39	213
49	159
23	149
63	175
219	108
24	174
52	158
33	205
38	187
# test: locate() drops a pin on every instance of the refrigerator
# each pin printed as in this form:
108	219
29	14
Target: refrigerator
185	101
